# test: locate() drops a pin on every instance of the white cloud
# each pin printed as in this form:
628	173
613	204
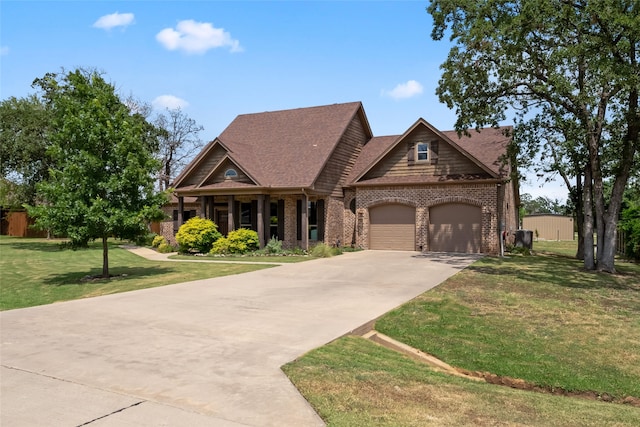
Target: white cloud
108	22
405	90
4	50
196	37
169	101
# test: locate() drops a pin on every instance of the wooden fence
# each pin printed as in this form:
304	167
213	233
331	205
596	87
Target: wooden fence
18	224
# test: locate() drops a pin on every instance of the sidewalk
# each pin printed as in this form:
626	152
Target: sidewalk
152	255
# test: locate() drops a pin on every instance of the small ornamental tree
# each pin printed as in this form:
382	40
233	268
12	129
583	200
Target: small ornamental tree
197	235
101	184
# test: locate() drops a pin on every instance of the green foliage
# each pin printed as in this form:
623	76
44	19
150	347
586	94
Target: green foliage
145	239
322	250
101	182
571	65
165	248
273	247
158	240
197	235
238	241
541	205
25	126
630	225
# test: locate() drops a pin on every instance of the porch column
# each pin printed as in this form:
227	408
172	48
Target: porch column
260	220
203	206
211	207
231	208
304	222
267	219
180	210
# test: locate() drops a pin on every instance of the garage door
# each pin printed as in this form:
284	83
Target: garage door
455	227
392	227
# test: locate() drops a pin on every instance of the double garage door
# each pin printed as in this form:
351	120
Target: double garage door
453	227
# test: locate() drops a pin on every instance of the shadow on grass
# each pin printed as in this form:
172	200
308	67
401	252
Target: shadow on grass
119	274
53	245
558	270
457	260
35	245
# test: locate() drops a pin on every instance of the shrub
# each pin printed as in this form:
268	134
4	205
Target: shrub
145	239
197	235
165	248
322	250
158	240
238	241
298	251
273	247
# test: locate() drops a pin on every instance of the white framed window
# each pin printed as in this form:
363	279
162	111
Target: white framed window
422	151
230	174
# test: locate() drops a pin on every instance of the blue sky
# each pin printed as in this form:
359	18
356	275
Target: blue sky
219	59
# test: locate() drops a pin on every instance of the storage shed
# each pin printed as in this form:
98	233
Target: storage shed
549	226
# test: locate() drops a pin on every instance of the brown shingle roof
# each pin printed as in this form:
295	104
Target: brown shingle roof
488	145
287	148
370	152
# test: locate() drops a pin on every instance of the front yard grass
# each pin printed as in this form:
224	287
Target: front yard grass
37	271
540	318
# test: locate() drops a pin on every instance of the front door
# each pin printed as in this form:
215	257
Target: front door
222	221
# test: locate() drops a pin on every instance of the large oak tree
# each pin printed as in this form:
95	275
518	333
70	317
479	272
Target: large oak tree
101	182
576	58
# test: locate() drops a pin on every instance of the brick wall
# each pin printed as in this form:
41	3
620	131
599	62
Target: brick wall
349	219
422	198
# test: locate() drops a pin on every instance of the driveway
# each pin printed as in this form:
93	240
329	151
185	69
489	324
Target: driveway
202	353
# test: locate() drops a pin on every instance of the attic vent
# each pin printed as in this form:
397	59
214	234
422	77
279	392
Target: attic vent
230	174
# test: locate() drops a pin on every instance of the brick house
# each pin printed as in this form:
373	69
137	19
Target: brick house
318	174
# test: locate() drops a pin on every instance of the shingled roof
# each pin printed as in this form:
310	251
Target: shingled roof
289	148
486	146
285	149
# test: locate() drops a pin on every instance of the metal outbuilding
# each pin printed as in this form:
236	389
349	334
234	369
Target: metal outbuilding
549	226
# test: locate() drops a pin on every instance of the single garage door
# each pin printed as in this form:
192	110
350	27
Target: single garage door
455	227
392	227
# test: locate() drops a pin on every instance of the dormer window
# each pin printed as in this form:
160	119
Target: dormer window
422	151
230	174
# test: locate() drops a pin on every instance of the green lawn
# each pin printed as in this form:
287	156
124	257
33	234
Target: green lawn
353	382
539	318
37	271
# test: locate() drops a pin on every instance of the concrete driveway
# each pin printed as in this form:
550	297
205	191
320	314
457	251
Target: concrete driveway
202	353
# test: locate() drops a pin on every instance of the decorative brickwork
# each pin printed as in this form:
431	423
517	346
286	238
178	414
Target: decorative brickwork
426	196
334	221
349	218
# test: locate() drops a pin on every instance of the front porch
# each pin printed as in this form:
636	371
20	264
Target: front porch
297	220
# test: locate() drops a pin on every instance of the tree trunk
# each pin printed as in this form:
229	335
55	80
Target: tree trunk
606	259
105	258
579	216
589	259
606	254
